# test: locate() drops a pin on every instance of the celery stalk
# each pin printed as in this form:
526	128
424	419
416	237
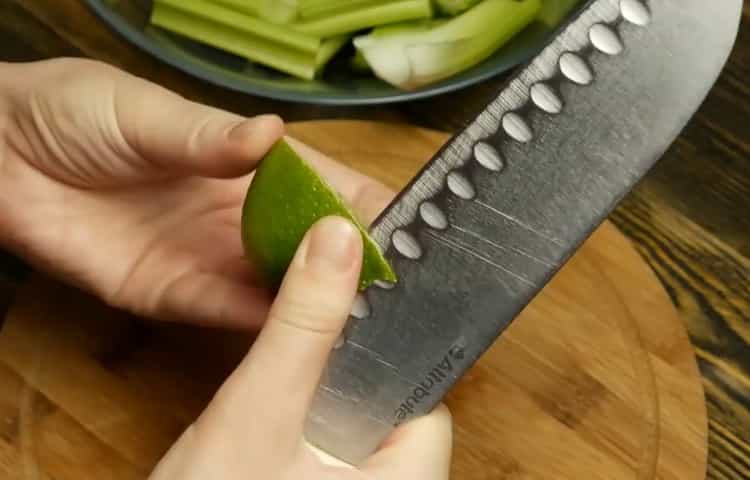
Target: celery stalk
323	8
292	52
413	54
250	7
274	11
348	20
454	7
554	11
245	23
279	11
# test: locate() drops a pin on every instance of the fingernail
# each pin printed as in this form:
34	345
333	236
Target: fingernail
333	245
245	128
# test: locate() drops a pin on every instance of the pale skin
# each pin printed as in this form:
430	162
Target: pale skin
133	193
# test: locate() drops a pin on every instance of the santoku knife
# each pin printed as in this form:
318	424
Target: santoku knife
499	209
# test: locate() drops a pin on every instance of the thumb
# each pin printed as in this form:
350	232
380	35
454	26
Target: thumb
270	392
175	135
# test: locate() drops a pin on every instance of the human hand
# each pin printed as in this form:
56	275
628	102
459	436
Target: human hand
134	193
253	428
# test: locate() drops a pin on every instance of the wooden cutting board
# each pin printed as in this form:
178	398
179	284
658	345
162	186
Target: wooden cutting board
595	380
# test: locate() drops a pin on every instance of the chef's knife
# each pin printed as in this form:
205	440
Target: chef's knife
499	209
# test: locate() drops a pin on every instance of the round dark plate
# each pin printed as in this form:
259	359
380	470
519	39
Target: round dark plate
337	86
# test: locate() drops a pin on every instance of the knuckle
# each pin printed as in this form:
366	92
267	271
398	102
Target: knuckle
198	132
318	316
81	70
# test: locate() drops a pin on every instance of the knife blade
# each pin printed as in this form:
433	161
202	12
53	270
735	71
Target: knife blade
507	200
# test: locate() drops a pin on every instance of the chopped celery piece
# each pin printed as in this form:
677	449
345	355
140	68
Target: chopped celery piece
245	23
554	11
348	20
323	8
274	11
279	11
251	7
291	52
406	43
412	54
454	7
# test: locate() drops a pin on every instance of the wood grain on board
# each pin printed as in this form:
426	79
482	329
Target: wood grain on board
688	218
596	379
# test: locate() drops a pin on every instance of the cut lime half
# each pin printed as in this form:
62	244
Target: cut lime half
285	199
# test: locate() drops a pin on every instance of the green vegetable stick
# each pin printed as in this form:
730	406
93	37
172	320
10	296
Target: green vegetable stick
250	7
279	11
199	21
322	8
245	23
412	54
274	11
350	20
454	7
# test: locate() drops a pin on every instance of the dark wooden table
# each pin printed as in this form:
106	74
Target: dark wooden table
690	218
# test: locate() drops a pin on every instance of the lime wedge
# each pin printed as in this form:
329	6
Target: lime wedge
285	198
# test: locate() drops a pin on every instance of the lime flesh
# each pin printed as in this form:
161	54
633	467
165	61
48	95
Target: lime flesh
285	199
